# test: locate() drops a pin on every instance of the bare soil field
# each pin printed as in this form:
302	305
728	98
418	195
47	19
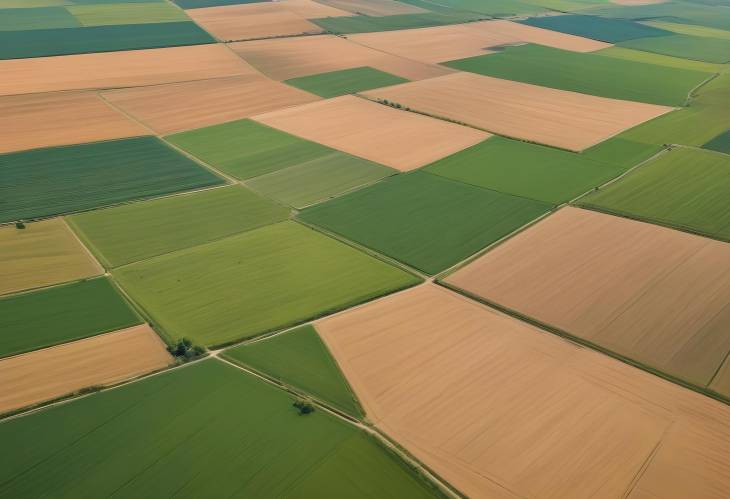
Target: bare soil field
56	371
285	58
504	410
398	139
119	69
652	294
54	119
42	254
182	106
554	117
375	7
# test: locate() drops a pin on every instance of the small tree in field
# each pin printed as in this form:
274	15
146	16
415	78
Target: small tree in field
304	406
184	349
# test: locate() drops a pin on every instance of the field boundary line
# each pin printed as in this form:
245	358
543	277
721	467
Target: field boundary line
76	237
645	465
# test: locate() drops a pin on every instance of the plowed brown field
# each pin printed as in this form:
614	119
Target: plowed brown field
56	371
181	106
652	294
373	131
501	409
555	117
375	7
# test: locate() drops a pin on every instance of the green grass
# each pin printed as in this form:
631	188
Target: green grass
38	18
586	73
57	180
255	282
721	143
685	188
685	46
205	430
345	81
64	41
621	153
60	314
136	231
129	13
528	170
597	28
661	60
368	24
319	179
426	221
246	149
300	359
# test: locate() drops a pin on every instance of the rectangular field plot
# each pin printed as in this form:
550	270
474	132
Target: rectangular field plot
651	294
684	188
53	372
140	436
597	28
699	48
368	24
137	231
522	413
345	81
374	7
20	19
59	314
43	253
54	119
592	74
554	117
424	220
99	14
394	138
57	180
660	60
255	282
183	106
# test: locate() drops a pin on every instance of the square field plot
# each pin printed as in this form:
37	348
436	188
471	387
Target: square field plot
654	295
137	231
424	220
554	117
58	180
394	138
255	282
43	253
684	188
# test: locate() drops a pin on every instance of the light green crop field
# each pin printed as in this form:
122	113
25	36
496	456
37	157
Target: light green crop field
136	231
299	358
661	60
685	188
699	48
129	13
621	153
208	430
36	18
345	81
254	282
62	313
689	29
424	220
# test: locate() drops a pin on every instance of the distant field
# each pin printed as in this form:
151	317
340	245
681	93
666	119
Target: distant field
36	18
689	29
424	220
374	7
597	28
366	24
677	11
685	46
586	73
137	231
686	188
721	143
58	180
130	13
660	59
59	314
197	4
254	282
345	81
136	440
300	359
494	8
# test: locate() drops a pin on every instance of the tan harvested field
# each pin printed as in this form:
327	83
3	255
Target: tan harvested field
503	410
448	43
398	139
559	118
101	360
181	106
119	69
652	294
721	382
54	119
375	7
285	58
42	254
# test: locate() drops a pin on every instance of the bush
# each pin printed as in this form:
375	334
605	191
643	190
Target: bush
184	349
19	225
304	406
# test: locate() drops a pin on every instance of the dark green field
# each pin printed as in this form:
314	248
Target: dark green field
426	221
597	28
196	4
59	314
676	11
492	8
699	48
345	81
57	180
38	18
721	143
206	430
367	24
299	358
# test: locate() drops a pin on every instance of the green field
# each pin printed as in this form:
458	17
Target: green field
685	188
597	28
56	180
685	46
196	4
621	153
689	29
528	170
38	18
721	143
300	359
586	73
367	24
255	282
675	11
205	430
39	319
130	13
345	81
64	41
661	60
424	220
136	231
493	8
